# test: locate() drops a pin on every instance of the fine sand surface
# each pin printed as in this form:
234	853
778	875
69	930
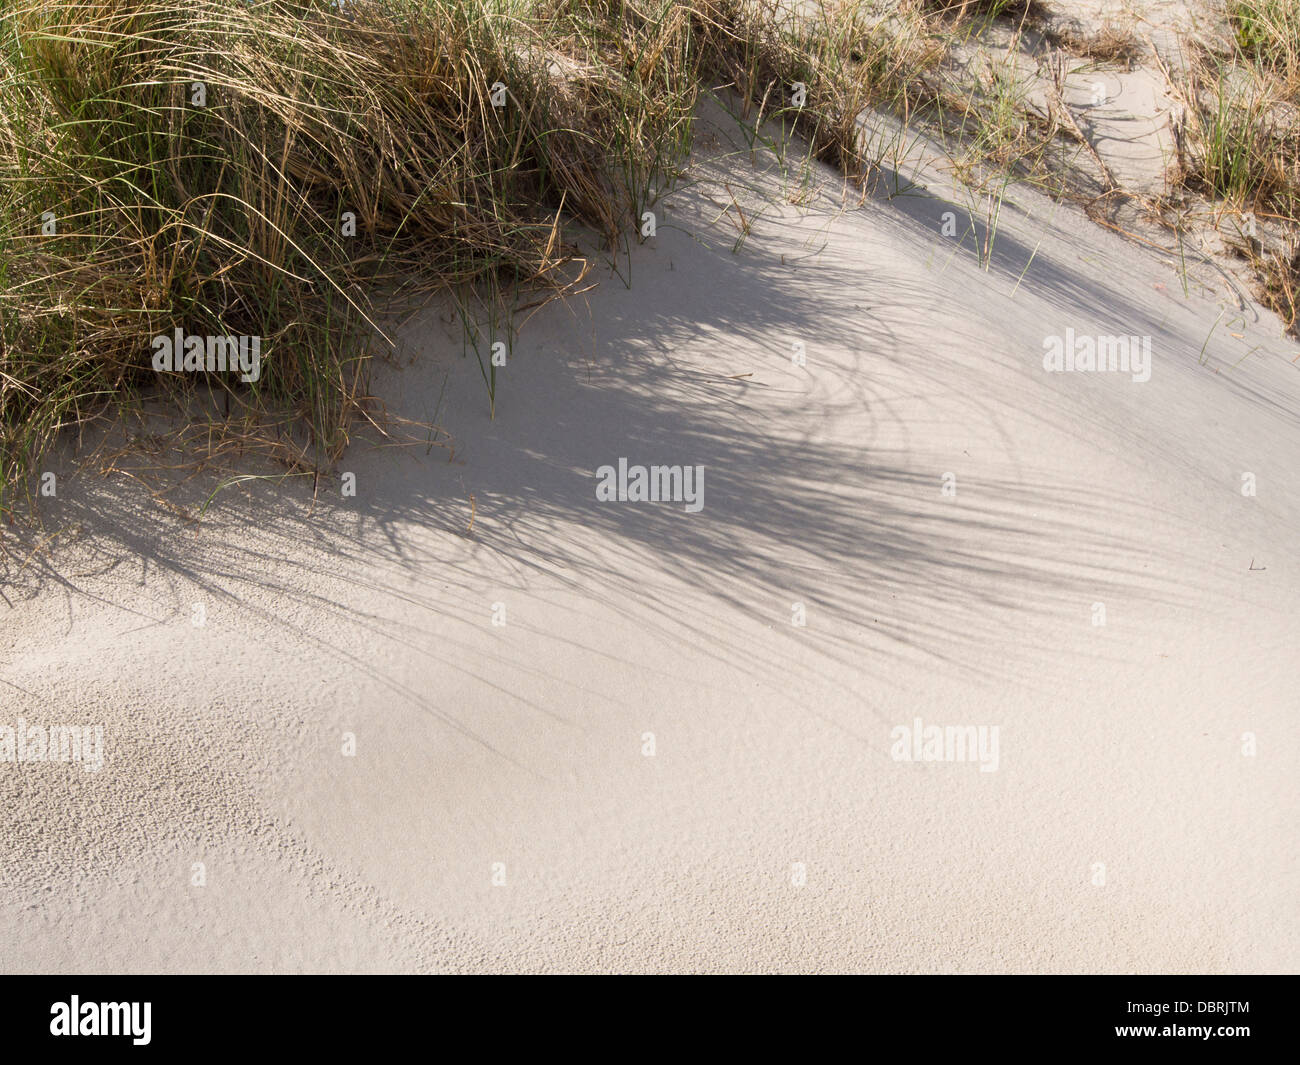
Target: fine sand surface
1124	745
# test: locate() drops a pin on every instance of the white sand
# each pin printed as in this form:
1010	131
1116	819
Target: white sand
522	744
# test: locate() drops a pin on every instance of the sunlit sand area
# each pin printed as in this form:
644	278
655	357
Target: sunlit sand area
808	562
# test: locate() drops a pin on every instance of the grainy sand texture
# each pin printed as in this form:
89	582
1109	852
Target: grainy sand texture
474	718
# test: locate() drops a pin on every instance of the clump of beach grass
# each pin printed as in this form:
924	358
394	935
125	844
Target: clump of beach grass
1241	145
262	167
1268	31
268	168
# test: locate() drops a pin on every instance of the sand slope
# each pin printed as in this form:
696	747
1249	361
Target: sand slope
522	744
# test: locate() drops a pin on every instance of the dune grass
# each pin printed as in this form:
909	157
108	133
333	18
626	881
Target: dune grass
262	167
277	168
1269	32
266	167
1245	136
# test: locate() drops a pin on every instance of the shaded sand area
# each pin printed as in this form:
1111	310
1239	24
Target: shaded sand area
502	812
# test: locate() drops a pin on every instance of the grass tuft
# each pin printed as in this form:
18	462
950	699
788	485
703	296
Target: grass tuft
263	167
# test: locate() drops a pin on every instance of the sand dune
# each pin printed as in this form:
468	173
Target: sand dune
943	514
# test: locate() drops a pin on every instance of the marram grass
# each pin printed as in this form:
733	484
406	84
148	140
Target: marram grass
265	168
261	167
